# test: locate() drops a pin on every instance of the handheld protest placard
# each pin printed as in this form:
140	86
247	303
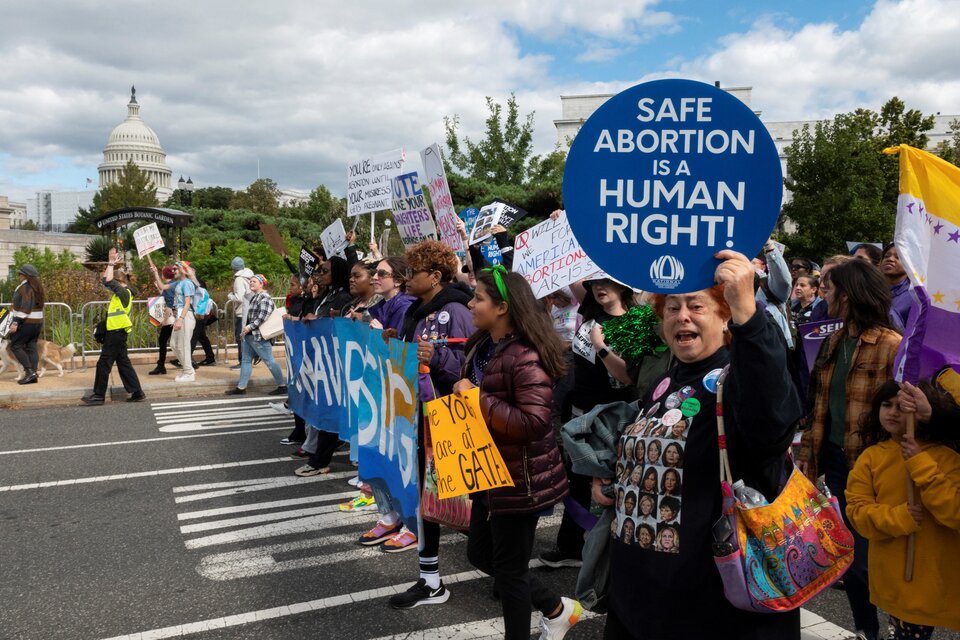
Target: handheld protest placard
148	239
272	235
464	454
664	175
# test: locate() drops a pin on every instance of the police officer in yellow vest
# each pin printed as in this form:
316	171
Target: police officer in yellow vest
114	347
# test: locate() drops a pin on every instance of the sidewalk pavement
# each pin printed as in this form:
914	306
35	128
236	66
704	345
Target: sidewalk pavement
54	390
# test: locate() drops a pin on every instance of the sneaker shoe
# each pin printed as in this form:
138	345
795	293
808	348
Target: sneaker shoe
281	408
379	533
557	559
556	628
157	371
279	391
137	396
419	594
307	471
207	362
300	453
288	442
236	391
235	367
183	377
354	482
403	540
177	364
360	503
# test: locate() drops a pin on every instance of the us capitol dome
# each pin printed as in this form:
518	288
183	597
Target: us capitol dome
133	140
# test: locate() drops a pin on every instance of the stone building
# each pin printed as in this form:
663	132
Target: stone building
133	140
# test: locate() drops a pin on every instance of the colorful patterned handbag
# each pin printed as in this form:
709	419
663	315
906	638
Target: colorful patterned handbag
782	554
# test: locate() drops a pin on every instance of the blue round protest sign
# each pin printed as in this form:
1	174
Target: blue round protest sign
664	175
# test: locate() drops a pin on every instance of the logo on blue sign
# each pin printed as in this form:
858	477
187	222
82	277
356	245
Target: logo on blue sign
666	174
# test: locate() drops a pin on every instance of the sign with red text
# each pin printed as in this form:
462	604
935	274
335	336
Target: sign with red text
442	200
550	258
465	457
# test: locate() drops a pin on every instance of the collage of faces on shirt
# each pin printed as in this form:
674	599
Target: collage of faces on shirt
649	471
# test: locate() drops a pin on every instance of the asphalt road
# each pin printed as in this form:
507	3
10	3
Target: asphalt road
133	519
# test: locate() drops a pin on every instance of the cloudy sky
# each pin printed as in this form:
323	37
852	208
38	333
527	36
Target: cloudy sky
306	87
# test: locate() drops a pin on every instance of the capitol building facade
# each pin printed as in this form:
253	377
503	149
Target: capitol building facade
133	140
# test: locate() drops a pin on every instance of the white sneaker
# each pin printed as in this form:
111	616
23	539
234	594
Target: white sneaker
556	628
281	407
186	377
354	481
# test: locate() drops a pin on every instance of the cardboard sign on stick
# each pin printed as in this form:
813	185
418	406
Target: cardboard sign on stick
410	210
272	236
442	199
368	182
148	239
550	258
465	456
334	239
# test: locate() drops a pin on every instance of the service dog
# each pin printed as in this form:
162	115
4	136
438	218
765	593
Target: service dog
47	353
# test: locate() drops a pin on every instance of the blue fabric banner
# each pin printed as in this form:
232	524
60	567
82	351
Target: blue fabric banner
344	379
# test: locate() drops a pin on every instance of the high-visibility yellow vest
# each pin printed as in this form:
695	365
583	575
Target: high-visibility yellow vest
118	316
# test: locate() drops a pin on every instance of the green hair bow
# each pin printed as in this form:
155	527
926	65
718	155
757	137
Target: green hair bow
499	273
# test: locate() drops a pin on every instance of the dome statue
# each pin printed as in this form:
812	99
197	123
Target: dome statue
133	140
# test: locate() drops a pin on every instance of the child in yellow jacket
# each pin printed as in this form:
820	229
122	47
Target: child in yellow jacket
877	507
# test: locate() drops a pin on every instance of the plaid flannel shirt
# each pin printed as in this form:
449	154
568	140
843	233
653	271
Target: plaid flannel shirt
261	306
871	366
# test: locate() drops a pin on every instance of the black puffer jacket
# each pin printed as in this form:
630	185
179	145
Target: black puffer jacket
515	399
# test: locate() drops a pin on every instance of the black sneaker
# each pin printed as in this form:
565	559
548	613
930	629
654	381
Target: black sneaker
557	559
137	396
177	364
157	371
419	594
208	362
236	391
279	391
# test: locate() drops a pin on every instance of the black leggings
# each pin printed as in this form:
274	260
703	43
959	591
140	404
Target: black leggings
23	343
200	335
326	445
162	341
500	546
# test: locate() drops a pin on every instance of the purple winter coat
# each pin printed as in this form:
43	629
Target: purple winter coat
390	312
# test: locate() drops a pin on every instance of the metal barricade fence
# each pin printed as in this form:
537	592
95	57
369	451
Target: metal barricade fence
227	317
143	336
58	326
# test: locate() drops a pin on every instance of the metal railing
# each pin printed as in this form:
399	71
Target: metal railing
63	326
58	328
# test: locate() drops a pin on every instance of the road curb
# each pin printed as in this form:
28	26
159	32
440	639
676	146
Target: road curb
116	393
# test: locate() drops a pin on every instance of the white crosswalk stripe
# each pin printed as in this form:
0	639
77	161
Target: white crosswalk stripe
211	415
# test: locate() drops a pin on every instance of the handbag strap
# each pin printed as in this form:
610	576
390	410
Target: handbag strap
725	474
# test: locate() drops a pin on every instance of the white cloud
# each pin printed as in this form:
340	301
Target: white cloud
306	87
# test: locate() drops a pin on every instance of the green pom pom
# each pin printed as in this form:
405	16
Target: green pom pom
634	334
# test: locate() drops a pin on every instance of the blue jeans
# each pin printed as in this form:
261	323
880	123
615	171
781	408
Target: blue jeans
264	349
855	581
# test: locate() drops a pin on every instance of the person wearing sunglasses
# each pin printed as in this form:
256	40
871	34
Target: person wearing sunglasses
390	283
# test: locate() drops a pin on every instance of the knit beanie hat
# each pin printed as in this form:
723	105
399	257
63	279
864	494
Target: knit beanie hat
237	263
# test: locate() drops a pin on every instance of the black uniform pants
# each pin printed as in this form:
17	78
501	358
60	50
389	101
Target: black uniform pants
200	335
162	341
23	343
115	350
500	546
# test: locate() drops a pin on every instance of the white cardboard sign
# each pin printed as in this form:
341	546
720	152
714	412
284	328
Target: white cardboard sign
446	214
334	239
148	239
550	258
369	182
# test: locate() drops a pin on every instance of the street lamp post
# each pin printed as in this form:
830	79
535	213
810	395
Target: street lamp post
186	191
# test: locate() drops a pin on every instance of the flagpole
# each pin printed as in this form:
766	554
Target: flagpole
911	500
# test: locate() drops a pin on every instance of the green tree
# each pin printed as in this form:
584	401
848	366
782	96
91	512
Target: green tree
83	223
132	189
45	261
502	155
261	196
29	225
842	185
501	165
949	150
323	207
213	197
